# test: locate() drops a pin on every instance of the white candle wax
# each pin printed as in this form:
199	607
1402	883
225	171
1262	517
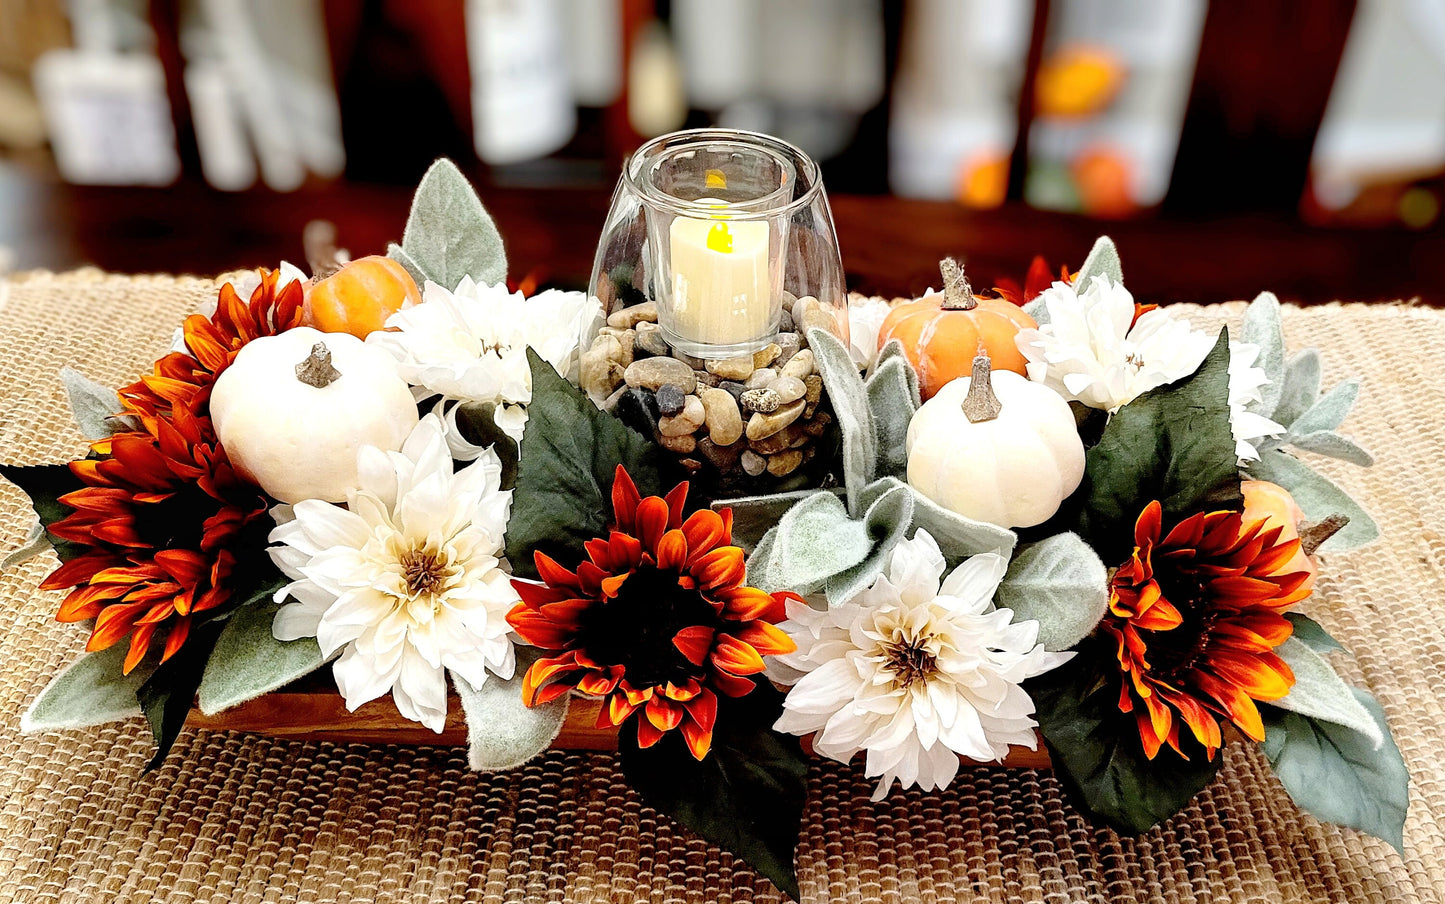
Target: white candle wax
721	281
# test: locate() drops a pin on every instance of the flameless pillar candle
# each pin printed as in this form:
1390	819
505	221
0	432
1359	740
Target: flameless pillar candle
721	281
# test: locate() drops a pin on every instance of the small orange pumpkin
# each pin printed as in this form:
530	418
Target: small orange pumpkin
359	297
942	334
1273	503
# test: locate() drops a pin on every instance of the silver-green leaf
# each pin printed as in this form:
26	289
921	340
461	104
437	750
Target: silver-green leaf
1060	583
1328	411
849	398
502	731
1320	693
249	661
1301	387
1318	497
1262	327
1327	442
95	407
90	691
1103	260
893	400
449	234
886	520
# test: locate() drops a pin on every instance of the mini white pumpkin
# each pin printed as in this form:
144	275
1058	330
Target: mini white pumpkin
293	409
995	447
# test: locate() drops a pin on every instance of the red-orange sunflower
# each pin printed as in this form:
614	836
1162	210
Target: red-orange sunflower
159	514
182	380
656	619
1197	615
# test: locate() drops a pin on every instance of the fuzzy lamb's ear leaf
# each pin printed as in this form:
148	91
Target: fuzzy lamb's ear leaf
755	516
1329	411
90	691
893	399
1301	387
1326	442
449	234
813	541
37	541
890	511
849	398
1262	327
419	275
1313	634
1103	260
1338	774
502	731
892	349
1318	497
1060	583
1320	693
95	407
958	537
249	661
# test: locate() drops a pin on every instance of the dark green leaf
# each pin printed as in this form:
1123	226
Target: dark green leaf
477	423
1172	444
570	451
167	695
747	794
1337	774
45	484
1314	636
1097	754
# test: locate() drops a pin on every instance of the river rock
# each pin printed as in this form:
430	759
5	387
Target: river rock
786	438
649	339
763	401
724	458
653	373
687	421
753	463
637	408
627	318
685	444
670	399
800	365
761	378
739	368
599	370
766	355
724	421
788	345
765	425
788	389
784	463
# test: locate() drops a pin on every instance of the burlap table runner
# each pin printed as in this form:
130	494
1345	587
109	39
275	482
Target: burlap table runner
234	817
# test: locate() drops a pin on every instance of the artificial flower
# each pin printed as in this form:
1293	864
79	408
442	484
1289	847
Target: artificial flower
244	284
405	580
1195	615
1035	282
184	378
865	319
470	344
916	670
656	620
1096	348
1245	382
159	519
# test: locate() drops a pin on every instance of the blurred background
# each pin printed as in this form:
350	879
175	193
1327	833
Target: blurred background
1228	145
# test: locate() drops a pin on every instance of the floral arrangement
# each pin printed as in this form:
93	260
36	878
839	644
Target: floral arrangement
1054	514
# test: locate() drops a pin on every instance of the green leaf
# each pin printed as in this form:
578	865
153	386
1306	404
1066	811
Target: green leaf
90	691
96	408
887	517
1317	496
502	731
747	794
1328	411
45	484
1097	754
449	234
167	695
37	541
958	537
249	661
893	348
1320	693
570	451
1103	260
1172	444
813	541
754	516
418	275
1337	774
476	422
849	398
1301	387
1326	442
1060	583
1262	327
1313	634
892	398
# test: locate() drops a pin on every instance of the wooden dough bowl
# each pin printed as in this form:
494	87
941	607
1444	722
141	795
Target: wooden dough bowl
312	709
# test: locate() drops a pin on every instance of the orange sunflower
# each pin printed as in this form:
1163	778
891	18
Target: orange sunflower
182	380
657	620
1196	616
160	512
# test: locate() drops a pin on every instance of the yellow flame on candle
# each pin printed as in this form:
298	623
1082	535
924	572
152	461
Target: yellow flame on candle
716	178
720	239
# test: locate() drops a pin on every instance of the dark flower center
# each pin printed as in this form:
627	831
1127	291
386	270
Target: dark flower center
176	522
910	661
636	628
1175	653
422	571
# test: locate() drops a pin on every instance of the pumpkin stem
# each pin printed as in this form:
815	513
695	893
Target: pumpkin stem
981	404
957	293
318	238
1311	536
316	370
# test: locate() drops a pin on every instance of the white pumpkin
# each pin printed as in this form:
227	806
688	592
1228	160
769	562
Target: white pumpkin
1007	452
293	409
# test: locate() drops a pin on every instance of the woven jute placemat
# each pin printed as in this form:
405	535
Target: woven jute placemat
233	817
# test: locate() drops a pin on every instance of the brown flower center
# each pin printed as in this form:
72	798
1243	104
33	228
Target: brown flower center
910	661
423	571
636	628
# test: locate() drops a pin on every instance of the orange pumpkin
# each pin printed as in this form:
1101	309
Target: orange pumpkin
359	297
1273	504
942	334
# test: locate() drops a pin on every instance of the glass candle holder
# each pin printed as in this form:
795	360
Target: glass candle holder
723	231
